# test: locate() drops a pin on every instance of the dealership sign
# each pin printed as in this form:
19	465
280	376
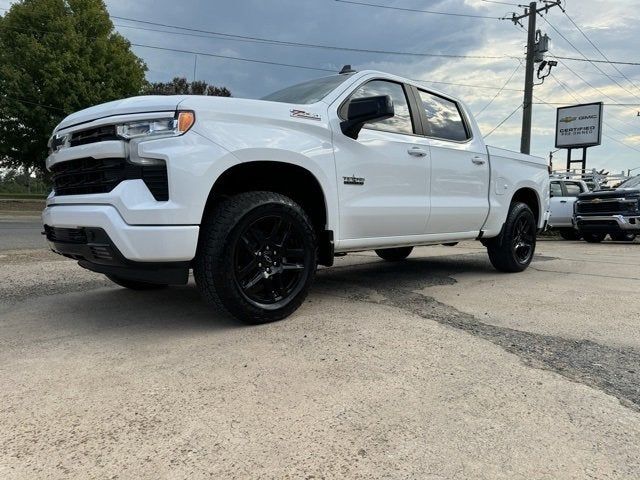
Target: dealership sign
579	126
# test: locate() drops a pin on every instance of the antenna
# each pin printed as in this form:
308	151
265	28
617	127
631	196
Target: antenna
347	69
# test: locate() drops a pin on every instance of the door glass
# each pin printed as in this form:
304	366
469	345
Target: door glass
573	189
556	189
401	122
443	118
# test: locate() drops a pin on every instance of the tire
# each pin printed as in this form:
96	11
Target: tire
394	254
594	237
569	234
257	257
514	249
134	284
623	237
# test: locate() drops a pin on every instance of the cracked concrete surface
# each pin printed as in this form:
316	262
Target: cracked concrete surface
437	367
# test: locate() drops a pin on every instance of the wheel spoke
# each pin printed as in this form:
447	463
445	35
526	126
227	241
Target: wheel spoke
248	269
254	281
280	232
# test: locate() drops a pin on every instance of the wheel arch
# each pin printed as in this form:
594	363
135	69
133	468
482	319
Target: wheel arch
529	197
289	179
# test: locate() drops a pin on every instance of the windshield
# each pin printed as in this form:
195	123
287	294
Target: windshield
631	183
307	92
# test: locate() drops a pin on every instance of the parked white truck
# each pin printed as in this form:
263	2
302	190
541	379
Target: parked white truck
253	194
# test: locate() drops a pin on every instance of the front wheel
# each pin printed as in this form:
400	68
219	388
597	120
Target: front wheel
394	254
623	237
594	237
257	257
514	249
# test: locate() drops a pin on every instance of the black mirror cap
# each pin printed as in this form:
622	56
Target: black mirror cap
366	110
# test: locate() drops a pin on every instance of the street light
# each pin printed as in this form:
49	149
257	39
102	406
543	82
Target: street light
631	170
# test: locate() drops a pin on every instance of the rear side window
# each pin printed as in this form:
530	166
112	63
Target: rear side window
444	119
573	189
401	122
556	189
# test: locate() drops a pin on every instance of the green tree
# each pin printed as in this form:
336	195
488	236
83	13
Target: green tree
57	57
180	86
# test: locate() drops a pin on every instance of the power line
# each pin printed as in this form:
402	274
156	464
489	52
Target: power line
598	50
415	10
208	33
592	63
591	60
228	57
502	3
503	121
499	91
29	102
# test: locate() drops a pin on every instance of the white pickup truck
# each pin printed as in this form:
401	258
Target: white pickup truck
253	194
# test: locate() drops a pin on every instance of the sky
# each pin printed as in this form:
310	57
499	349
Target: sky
611	25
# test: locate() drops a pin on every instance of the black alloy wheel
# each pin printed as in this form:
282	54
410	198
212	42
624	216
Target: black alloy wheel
524	240
270	261
257	256
513	250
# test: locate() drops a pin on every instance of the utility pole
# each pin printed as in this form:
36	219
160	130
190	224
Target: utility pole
533	55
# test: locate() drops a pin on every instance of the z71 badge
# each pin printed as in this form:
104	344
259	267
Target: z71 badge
302	114
353	180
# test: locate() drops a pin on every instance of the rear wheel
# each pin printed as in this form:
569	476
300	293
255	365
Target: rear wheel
257	257
569	234
514	249
134	284
394	254
594	237
623	237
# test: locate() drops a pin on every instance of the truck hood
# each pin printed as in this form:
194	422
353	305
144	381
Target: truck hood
200	104
150	103
618	193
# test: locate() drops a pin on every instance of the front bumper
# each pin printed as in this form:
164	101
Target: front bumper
95	251
136	243
609	223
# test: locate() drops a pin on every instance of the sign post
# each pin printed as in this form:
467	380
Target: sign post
579	126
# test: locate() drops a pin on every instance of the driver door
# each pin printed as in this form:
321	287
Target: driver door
383	176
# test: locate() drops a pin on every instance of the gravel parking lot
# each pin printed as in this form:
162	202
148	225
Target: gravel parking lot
437	367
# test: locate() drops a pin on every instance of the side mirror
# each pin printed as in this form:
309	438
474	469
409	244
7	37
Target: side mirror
366	110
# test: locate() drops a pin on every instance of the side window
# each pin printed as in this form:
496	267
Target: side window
443	118
556	189
573	189
401	122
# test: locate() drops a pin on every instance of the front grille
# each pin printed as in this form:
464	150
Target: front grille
66	235
93	135
616	206
86	176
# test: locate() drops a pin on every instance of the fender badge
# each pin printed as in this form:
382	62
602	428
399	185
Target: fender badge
353	180
302	114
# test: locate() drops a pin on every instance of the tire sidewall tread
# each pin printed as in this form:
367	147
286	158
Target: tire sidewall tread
213	268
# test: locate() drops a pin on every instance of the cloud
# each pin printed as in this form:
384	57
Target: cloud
607	23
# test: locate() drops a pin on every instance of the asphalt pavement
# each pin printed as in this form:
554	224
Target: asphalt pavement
20	232
433	368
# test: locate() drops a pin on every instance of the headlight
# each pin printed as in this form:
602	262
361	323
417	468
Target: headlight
164	127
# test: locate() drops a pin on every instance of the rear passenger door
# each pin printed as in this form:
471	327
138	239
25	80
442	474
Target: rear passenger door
459	177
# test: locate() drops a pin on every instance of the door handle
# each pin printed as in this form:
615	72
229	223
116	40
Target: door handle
563	201
417	152
478	160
